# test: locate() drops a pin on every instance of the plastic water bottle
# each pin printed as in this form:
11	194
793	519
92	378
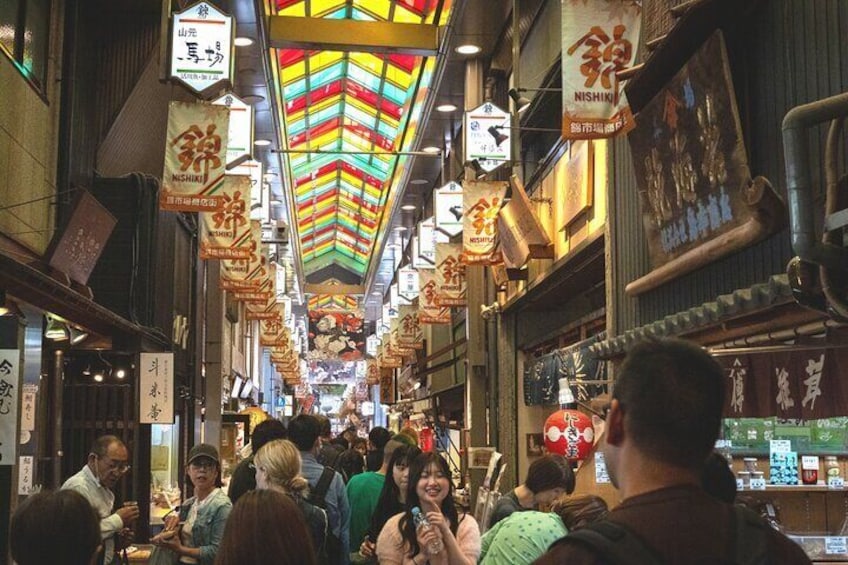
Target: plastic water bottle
435	546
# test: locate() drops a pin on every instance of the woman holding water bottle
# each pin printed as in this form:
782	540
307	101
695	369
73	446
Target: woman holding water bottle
430	530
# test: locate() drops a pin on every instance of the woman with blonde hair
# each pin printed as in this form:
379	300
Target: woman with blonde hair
278	468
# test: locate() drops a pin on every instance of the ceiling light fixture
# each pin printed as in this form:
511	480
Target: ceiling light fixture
419	181
253	98
262	142
242	41
468	49
77	335
98	377
445	108
479	171
409	207
56	329
522	102
120	373
400	228
87	371
431	149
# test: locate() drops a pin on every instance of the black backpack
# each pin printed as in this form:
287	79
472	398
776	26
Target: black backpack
618	545
331	553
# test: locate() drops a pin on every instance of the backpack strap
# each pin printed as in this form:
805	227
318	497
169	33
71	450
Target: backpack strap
615	543
750	542
318	496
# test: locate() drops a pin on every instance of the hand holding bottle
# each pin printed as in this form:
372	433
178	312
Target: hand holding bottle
429	537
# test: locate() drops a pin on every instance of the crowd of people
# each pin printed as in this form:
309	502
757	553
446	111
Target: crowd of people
301	498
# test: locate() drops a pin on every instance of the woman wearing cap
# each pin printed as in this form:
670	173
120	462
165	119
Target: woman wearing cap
195	536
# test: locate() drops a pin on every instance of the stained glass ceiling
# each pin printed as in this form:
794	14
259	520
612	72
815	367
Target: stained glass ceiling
345	116
332	302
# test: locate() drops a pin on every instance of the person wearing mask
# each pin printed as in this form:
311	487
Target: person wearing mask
431	490
244	475
266	527
108	462
278	467
363	491
378	437
663	421
392	498
326	486
55	527
548	478
196	534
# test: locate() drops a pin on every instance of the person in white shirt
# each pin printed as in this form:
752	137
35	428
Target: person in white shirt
107	463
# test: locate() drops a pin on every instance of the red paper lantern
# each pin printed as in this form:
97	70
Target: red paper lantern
569	433
425	439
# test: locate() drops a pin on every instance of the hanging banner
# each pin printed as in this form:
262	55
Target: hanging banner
487	136
396	298
249	273
520	230
409	328
599	38
271	329
260	204
428	237
202	48
156	388
336	334
240	133
481	202
428	311
195	157
447	206
372	372
372	345
10	383
263	294
450	275
387	385
225	233
408	283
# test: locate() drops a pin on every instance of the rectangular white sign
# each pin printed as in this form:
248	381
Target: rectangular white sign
28	407
10	382
202	47
156	388
25	475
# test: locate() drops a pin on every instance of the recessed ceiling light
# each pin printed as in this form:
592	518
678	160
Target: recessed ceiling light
419	181
468	49
377	293
276	201
243	41
262	142
253	98
446	107
431	149
409	207
400	228
393	246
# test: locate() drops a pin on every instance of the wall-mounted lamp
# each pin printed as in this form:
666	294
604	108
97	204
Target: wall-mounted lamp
499	137
521	102
56	330
474	164
9	307
77	335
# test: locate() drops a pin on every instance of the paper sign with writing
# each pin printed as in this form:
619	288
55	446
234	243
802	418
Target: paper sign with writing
450	275
10	381
202	48
25	474
409	328
195	157
30	393
240	143
428	237
481	202
225	233
249	273
260	204
487	136
599	38
408	283
156	388
447	206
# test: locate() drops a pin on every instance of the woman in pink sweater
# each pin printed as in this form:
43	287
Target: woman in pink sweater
429	488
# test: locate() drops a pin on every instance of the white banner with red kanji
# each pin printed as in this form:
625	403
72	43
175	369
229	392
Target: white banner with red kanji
481	202
450	275
225	232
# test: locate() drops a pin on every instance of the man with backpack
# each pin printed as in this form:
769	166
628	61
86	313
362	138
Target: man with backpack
663	422
327	489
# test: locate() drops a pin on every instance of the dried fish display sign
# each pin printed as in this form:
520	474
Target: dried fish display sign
195	157
599	38
481	202
202	42
225	233
690	161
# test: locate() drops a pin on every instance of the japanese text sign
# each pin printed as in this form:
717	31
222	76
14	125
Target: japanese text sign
408	283
10	381
447	204
487	131
240	134
481	202
156	388
428	237
202	40
226	233
450	275
195	157
599	38
428	311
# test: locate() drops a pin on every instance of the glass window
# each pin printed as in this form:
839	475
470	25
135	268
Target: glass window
24	31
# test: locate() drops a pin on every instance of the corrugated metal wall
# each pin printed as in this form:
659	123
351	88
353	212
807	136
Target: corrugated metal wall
789	53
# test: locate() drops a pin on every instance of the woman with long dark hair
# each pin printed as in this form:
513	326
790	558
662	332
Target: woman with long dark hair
431	490
266	527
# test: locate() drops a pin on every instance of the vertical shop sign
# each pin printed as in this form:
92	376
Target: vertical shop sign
195	157
250	272
447	206
408	283
225	233
428	311
450	275
10	379
481	202
156	388
202	42
240	133
428	237
30	392
260	204
25	472
372	345
409	328
599	38
487	131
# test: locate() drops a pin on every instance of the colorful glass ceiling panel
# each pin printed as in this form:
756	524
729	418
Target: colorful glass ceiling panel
332	302
346	115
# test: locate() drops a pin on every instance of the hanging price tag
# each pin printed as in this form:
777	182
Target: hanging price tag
836	483
758	484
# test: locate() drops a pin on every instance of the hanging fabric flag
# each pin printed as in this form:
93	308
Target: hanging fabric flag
260	295
195	157
599	38
242	274
450	275
225	232
372	372
271	329
428	311
409	328
481	202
